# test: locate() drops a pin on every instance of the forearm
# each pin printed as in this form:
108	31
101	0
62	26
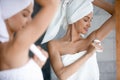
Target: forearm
106	28
48	2
38	25
43	19
108	25
44	16
63	72
72	68
104	5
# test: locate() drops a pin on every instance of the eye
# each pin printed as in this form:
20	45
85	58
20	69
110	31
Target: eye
25	14
85	19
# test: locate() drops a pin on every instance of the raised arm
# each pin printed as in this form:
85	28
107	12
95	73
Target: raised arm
38	25
104	5
107	27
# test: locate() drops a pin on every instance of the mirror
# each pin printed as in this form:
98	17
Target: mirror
106	59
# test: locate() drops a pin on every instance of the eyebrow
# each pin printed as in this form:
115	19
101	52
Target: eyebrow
89	17
27	10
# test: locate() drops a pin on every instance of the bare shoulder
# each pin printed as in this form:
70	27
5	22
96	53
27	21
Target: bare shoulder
52	43
53	46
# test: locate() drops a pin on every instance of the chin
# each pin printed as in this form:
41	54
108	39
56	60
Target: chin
84	33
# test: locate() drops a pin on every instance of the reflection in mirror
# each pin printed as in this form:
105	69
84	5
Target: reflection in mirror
106	59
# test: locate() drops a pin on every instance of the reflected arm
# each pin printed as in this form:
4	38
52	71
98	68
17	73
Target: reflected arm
108	25
63	72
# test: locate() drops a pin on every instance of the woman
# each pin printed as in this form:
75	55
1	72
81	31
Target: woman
21	32
73	57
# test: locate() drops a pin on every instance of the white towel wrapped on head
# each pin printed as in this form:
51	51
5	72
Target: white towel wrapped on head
70	11
3	31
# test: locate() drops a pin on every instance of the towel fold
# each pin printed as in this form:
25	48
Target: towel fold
30	71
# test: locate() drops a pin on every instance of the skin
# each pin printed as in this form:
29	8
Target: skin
74	43
23	32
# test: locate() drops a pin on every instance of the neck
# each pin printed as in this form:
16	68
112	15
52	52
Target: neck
72	35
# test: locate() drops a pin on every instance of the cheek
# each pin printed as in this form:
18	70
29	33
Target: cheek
20	21
80	27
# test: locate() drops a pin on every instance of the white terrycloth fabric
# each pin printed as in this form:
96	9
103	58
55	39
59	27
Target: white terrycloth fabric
77	9
12	7
3	31
56	22
70	11
87	71
30	71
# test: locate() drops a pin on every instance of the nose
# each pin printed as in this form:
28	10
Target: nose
89	24
29	19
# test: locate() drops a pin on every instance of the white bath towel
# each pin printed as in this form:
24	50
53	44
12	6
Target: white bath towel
30	71
3	31
87	71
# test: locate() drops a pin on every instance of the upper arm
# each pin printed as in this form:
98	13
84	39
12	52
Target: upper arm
33	30
109	24
106	28
104	5
103	30
55	58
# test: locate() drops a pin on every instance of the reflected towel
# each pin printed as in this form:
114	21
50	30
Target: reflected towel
30	71
87	71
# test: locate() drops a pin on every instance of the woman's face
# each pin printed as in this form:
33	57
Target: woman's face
19	20
84	24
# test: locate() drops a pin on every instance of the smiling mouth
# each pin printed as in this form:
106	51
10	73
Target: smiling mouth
86	29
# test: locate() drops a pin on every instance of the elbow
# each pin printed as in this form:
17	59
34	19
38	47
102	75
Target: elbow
62	75
112	12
